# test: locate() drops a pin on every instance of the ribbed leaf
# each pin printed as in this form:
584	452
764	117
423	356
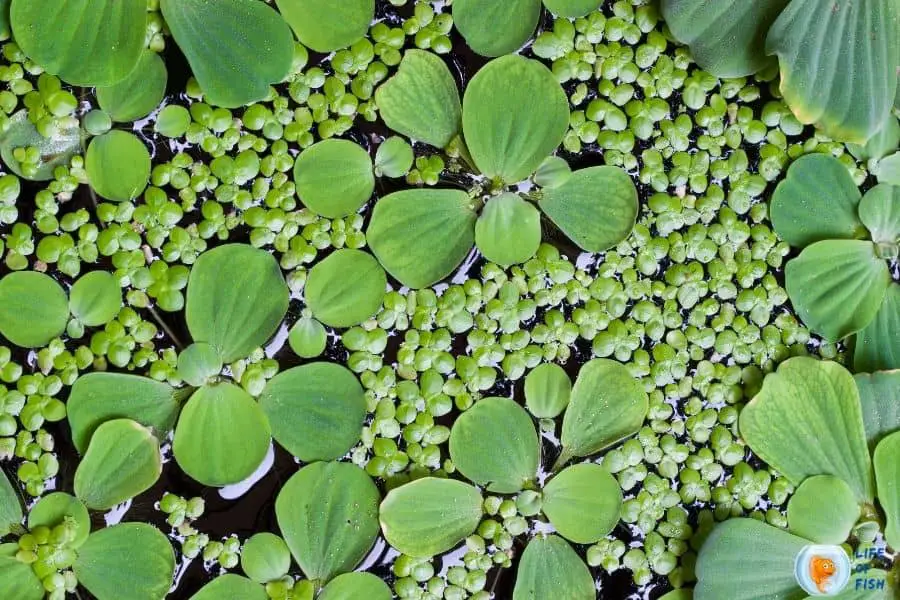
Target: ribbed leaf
231	587
583	502
325	25
496	27
823	522
550	568
887	474
139	93
879	396
508	231
547	391
878	343
10	506
879	210
346	288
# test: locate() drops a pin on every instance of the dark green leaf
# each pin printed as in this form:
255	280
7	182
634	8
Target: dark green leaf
334	178
583	502
878	343
95	299
823	509
199	363
10	506
54	151
265	557
496	28
346	288
550	568
325	25
508	231
879	396
117	165
33	309
52	509
139	93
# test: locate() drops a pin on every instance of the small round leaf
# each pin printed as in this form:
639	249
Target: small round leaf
552	173
198	363
308	338
356	585
265	557
547	391
173	121
326	26
496	28
550	568
394	157
139	93
508	231
583	502
334	178
231	587
54	508
823	509
33	309
879	210
117	165
572	8
346	288
96	298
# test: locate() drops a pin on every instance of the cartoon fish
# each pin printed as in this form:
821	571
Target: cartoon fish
820	571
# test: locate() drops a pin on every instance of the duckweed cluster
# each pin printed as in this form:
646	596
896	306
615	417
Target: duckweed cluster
693	302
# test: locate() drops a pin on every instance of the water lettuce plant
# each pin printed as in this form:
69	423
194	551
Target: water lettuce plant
841	284
850	100
837	441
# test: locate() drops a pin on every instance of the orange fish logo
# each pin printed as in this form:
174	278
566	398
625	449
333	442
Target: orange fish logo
821	569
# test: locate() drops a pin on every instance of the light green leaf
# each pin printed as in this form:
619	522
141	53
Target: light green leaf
54	508
139	93
429	516
887	474
316	410
823	509
265	557
727	37
888	169
878	343
607	405
5	29
10	506
550	568
583	502
99	397
122	462
130	561
846	88
95	299
421	101
806	420
495	445
86	42
421	236
879	396
222	435
394	157
681	594
17	580
325	25
572	8
328	514
198	364
33	309
547	391
837	286
515	114
231	587
54	151
356	585
746	559
334	178
596	208
346	288
173	121
817	201
879	210
236	299
552	173
308	338
498	27
117	165
508	231
231	75
881	144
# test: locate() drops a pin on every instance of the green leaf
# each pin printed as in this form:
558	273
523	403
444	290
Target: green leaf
334	178
394	157
130	561
33	309
552	173
879	396
879	210
515	114
328	514
356	585
888	169
727	37
139	93
596	207
837	286
421	101
508	231
96	298
746	559
550	568
881	144
265	557
231	587
122	462
495	445
681	594
5	29
222	436
236	299
117	165
99	397
547	391
326	26
346	288
846	88
172	121
878	343
53	508
54	151
430	516
231	75
421	236
198	364
823	509
85	42
583	502
817	201
806	420
572	8
887	474
308	338
316	410
607	405
496	28
17	580
10	506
